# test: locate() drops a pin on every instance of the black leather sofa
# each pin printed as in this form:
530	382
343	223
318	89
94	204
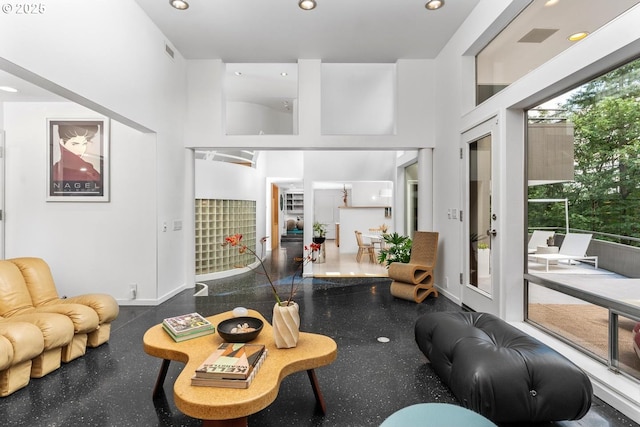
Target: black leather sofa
500	372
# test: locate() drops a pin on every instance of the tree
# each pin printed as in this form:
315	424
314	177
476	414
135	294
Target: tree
605	195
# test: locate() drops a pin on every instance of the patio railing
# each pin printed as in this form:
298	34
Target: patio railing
596	325
602	329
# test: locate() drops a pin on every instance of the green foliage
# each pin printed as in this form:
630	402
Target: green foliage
319	229
398	249
605	195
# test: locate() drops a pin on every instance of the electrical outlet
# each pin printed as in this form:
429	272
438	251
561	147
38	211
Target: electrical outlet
133	291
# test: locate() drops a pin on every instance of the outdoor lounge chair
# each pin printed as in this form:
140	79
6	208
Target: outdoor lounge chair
573	248
538	238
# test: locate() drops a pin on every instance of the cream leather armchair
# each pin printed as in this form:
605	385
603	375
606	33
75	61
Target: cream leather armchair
42	288
20	342
16	304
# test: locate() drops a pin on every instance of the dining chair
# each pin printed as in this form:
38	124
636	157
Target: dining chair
378	239
364	248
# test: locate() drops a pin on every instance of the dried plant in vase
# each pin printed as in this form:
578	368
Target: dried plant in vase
286	317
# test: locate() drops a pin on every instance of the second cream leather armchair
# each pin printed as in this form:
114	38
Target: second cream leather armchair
42	288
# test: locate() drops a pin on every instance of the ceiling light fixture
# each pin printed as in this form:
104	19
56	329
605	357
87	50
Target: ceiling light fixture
307	4
434	4
283	74
8	89
237	73
179	4
578	36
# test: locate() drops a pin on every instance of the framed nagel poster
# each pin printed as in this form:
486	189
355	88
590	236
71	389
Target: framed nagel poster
78	160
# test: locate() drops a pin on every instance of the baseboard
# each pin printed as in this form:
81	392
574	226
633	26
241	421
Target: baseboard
152	302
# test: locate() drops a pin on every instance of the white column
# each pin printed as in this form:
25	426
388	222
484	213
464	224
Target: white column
425	189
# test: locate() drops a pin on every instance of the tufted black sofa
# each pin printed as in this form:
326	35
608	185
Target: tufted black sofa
500	372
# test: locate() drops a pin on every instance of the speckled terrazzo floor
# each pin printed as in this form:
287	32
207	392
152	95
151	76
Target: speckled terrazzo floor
111	385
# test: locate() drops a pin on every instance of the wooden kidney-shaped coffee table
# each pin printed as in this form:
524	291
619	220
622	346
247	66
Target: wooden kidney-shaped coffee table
230	407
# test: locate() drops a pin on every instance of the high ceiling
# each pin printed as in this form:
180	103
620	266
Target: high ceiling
366	31
279	31
335	31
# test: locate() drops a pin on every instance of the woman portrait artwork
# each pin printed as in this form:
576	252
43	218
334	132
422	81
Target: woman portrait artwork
76	158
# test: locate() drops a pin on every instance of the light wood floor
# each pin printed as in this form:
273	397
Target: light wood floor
345	265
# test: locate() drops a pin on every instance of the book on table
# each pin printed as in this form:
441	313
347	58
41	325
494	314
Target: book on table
189	335
231	361
187	326
231	383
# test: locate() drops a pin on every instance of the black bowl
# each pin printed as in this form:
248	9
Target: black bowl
226	326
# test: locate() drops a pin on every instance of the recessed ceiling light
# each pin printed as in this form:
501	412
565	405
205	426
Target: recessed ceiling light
8	89
578	36
179	4
551	2
238	73
307	4
434	4
283	74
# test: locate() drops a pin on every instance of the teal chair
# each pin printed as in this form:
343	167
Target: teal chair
436	415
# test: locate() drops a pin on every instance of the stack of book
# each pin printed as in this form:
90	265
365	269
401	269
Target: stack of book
187	326
231	366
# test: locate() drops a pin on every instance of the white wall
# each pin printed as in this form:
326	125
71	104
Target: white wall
358	99
368	193
247	118
117	67
90	247
224	180
415	111
326	209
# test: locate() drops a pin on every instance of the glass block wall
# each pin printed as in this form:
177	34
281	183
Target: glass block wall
217	219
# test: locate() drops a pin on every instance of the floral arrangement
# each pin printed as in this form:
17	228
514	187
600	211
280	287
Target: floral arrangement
310	252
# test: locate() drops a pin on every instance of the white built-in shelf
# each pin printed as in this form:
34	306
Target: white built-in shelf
294	203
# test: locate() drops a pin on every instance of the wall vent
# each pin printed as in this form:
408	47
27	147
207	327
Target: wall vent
168	50
537	35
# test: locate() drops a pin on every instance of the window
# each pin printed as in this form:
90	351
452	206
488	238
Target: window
537	34
583	160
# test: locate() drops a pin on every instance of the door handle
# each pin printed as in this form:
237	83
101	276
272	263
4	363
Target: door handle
492	233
